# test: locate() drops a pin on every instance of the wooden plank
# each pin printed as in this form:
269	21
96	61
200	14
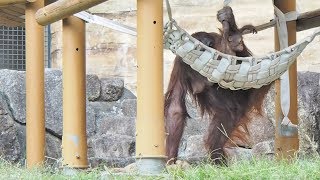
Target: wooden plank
21	6
9	23
62	9
10	12
11	17
308	20
12	2
17	9
305	21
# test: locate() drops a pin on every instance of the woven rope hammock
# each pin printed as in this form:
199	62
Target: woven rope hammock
229	71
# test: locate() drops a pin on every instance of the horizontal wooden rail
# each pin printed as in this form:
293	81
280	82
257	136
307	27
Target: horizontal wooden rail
305	21
308	20
12	2
62	9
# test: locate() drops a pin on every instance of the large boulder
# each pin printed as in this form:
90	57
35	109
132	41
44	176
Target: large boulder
111	89
114	142
12	84
13	137
121	125
53	103
112	149
10	148
309	112
127	94
93	87
129	107
114	117
52	146
263	149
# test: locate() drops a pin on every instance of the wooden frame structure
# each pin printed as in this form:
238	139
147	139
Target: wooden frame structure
74	143
12	2
150	125
62	9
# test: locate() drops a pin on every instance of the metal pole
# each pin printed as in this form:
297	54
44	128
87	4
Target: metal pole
287	146
150	132
74	139
35	114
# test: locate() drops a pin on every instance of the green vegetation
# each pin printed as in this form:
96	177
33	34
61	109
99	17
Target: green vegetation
254	169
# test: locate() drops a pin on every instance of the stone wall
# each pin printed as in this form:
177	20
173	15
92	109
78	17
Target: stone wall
111	114
110	117
111	53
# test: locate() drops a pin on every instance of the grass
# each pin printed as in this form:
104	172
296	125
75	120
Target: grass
254	169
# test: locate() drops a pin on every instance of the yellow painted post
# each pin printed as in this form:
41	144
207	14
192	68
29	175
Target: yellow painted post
35	114
150	131
287	146
74	139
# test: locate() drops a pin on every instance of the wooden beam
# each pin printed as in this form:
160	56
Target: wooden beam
12	2
6	22
11	17
13	10
308	20
286	143
305	21
62	9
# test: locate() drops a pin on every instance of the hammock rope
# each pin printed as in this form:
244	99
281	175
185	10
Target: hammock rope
229	71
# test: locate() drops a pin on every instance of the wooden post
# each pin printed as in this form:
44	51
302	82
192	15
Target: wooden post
74	139
62	9
287	146
150	132
35	114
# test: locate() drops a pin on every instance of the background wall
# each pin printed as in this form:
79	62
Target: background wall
111	53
